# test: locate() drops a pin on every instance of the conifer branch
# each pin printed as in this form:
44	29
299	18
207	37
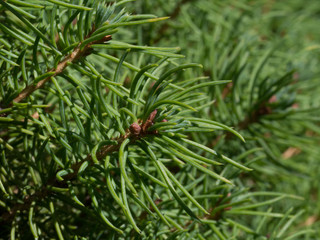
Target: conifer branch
76	54
98	163
135	132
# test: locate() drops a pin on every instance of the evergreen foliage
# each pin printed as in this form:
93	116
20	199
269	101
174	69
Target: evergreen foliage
110	131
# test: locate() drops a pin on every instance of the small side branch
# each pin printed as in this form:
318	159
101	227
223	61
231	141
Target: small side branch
72	57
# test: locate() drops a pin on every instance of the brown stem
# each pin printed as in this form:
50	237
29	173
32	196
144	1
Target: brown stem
43	192
104	151
72	57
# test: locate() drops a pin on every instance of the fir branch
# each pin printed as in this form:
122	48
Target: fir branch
65	174
76	54
135	132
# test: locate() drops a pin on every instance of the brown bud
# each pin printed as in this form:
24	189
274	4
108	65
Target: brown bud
158	201
152	115
146	125
106	38
74	22
273	99
102	40
135	129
